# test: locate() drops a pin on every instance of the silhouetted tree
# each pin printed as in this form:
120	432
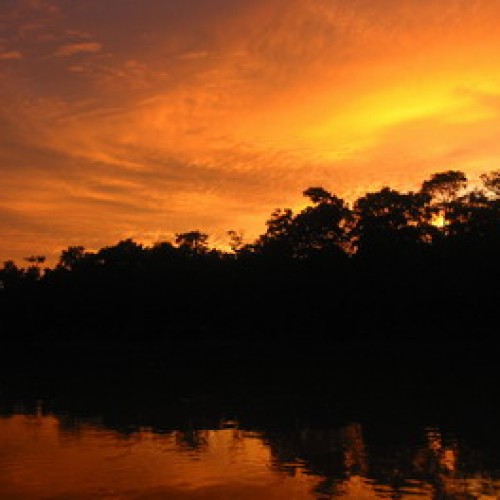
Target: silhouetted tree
276	240
322	228
71	257
162	250
377	264
235	240
491	181
10	274
445	190
444	187
124	253
34	272
318	195
192	242
388	221
318	229
468	213
36	259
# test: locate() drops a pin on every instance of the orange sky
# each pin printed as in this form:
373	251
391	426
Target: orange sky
144	118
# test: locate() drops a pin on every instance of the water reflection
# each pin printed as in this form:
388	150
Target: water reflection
44	455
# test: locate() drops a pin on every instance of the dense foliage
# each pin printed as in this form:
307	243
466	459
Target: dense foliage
392	264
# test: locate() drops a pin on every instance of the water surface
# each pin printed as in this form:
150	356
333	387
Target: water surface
360	421
61	456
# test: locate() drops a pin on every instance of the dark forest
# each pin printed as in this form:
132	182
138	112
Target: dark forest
392	265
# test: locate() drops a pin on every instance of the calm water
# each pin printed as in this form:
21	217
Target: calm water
401	422
54	456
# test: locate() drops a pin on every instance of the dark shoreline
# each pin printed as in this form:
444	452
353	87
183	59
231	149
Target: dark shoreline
311	406
401	381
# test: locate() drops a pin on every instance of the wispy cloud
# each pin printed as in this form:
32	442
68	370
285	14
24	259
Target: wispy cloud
10	56
194	55
209	114
77	48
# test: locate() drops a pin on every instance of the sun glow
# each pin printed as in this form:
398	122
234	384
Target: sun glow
439	220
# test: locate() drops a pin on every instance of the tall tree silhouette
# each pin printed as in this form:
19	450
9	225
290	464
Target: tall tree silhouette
10	274
124	253
192	242
389	222
277	241
444	190
71	257
323	227
491	181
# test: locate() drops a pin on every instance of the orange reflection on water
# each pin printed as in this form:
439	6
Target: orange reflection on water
46	456
40	459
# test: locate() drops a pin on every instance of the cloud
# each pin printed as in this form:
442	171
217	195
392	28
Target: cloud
209	114
194	55
77	48
10	56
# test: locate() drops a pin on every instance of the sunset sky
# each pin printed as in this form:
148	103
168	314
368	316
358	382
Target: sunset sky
143	118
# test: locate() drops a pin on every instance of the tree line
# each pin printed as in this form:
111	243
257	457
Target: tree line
395	263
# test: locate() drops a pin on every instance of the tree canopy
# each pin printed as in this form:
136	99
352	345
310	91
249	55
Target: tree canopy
380	260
